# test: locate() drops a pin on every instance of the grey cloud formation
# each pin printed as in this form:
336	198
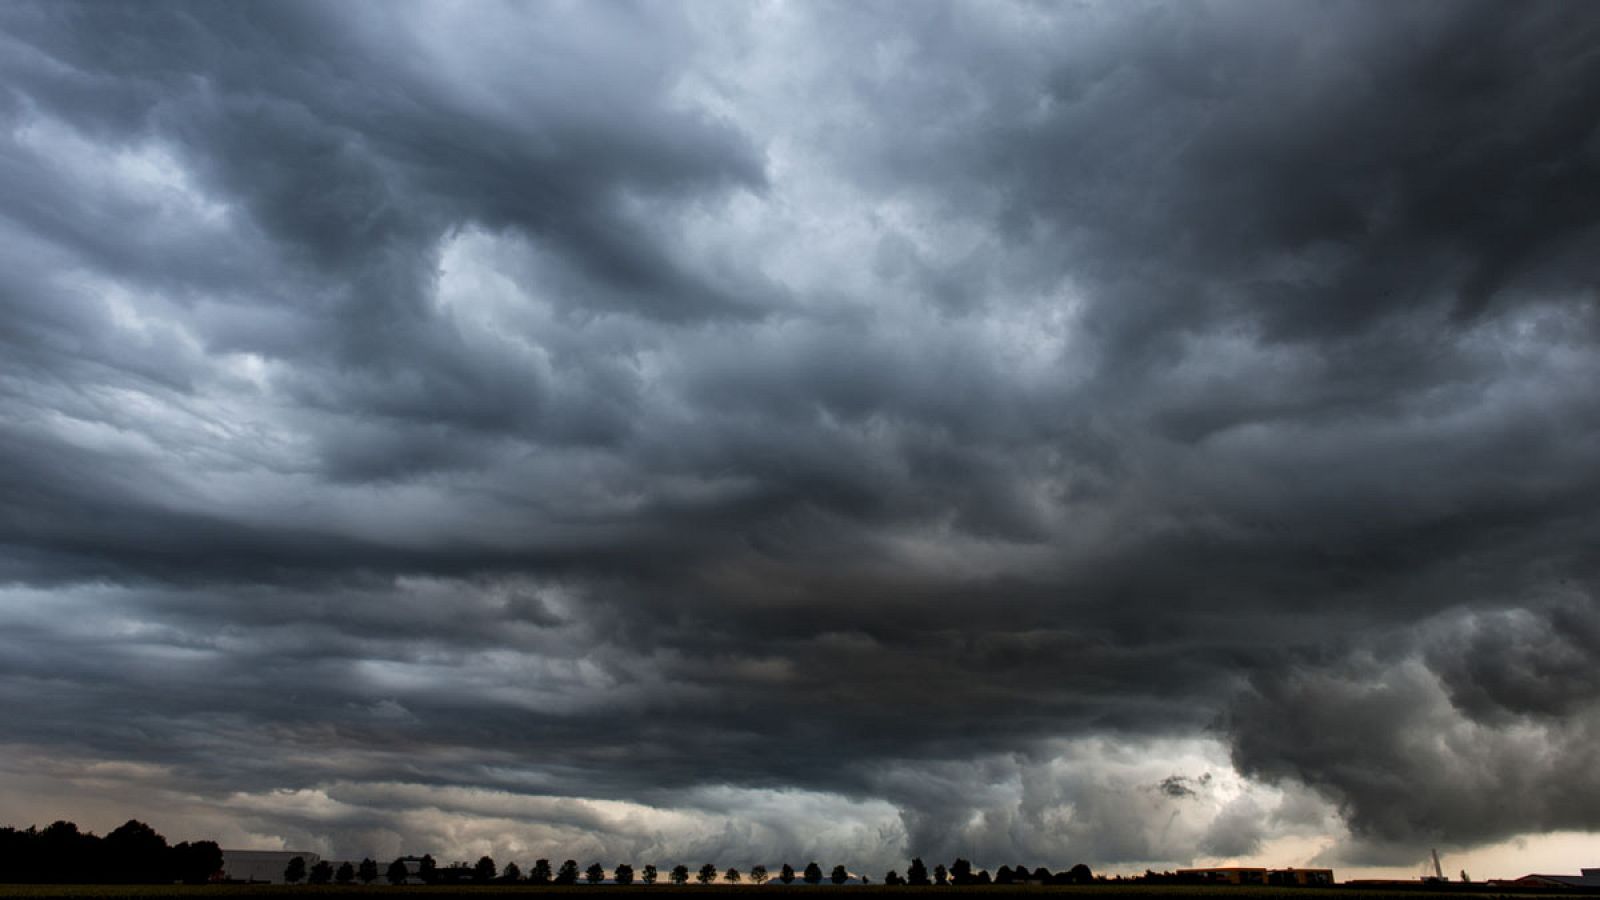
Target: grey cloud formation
1491	718
845	431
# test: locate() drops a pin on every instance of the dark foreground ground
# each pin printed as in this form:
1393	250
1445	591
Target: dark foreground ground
1110	891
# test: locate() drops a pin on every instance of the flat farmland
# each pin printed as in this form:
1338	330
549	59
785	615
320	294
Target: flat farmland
1110	891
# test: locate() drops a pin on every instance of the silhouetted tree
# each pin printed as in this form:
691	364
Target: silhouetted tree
568	873
295	871
649	876
982	877
1042	875
483	870
595	874
892	878
1002	875
731	876
680	874
321	872
622	874
917	875
58	853
786	874
196	863
758	874
708	874
1080	874
960	872
135	854
367	871
346	873
428	869
540	874
511	874
813	873
397	873
940	875
838	875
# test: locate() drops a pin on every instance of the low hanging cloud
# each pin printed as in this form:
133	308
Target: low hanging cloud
1488	721
1131	434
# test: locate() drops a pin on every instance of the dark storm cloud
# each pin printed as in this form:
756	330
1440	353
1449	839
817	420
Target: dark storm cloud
908	415
1311	169
1488	718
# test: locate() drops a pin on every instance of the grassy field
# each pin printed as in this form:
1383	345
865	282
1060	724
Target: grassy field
1110	891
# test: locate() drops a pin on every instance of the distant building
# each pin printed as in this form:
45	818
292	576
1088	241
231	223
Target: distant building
1303	877
1588	878
261	865
1225	875
413	866
457	873
1257	875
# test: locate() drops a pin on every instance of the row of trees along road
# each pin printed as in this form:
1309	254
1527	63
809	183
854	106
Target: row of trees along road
961	874
484	871
136	854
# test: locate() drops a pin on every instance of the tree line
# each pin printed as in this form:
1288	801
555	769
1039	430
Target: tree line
485	871
136	854
132	854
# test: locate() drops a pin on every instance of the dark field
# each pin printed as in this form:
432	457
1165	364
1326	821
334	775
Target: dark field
1107	891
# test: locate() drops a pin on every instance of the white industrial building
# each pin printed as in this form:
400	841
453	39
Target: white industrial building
262	865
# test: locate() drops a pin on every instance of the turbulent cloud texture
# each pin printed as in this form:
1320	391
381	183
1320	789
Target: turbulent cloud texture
1129	433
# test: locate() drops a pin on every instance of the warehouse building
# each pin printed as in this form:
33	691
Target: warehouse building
1586	878
261	866
1257	875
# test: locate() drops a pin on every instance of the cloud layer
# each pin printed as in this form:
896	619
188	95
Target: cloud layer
1131	433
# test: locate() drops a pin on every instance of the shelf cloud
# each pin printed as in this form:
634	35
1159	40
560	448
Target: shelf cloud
1126	433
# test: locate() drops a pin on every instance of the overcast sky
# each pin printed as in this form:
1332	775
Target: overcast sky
1137	434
